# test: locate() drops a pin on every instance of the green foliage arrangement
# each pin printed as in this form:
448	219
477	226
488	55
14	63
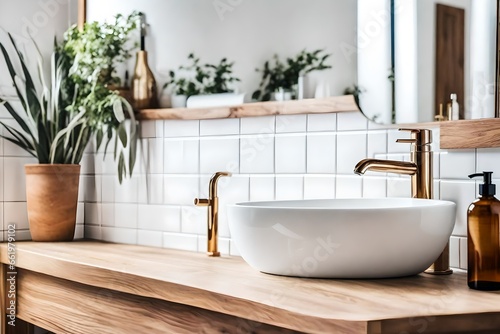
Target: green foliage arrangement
202	78
59	117
286	74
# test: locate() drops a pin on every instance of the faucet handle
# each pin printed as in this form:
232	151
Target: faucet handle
201	202
406	141
419	137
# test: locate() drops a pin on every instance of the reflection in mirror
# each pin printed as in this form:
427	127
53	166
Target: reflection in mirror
247	33
412	55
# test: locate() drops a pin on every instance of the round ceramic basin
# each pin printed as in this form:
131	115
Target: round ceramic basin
342	238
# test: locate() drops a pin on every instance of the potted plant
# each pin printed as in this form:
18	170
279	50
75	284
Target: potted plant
183	85
218	78
57	119
199	79
283	77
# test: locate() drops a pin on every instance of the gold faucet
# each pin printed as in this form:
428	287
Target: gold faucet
212	213
420	169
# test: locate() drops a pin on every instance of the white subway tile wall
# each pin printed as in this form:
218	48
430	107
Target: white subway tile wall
351	148
149	238
219	153
349	186
181	155
321	148
463	253
319	186
457	164
262	187
289	187
374	187
398	186
322	122
291	123
462	193
455	252
487	160
349	121
290	154
258	125
271	157
214	127
257	154
377	143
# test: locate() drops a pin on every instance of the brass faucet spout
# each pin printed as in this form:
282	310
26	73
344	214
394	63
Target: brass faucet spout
212	187
385	166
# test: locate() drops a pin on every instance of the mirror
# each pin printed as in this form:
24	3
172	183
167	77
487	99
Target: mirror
246	32
453	43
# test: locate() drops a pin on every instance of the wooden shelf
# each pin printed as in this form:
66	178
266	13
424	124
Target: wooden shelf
467	134
293	107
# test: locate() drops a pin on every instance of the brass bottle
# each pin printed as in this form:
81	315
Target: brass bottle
483	238
144	91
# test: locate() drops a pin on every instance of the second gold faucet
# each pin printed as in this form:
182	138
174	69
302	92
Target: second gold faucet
212	204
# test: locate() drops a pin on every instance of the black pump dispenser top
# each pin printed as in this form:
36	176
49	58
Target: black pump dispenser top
485	189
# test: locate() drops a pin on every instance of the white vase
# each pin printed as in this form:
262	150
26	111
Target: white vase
215	100
282	95
300	88
322	90
178	101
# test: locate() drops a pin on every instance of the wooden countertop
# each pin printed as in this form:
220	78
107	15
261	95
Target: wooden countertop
229	286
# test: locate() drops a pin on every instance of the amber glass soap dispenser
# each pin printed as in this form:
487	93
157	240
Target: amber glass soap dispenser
483	238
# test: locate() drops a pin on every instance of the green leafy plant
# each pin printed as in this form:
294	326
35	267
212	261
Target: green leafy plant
57	119
187	84
219	77
202	78
286	74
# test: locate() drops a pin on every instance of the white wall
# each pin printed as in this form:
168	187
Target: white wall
247	32
42	20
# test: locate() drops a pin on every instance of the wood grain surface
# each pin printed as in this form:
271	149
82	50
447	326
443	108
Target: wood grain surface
293	107
466	134
46	300
229	286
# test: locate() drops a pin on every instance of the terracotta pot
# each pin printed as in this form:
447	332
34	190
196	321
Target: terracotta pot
52	198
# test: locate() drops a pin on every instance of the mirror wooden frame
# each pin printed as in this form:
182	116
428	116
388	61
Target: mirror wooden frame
82	13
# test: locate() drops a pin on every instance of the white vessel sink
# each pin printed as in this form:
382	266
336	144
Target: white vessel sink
342	238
